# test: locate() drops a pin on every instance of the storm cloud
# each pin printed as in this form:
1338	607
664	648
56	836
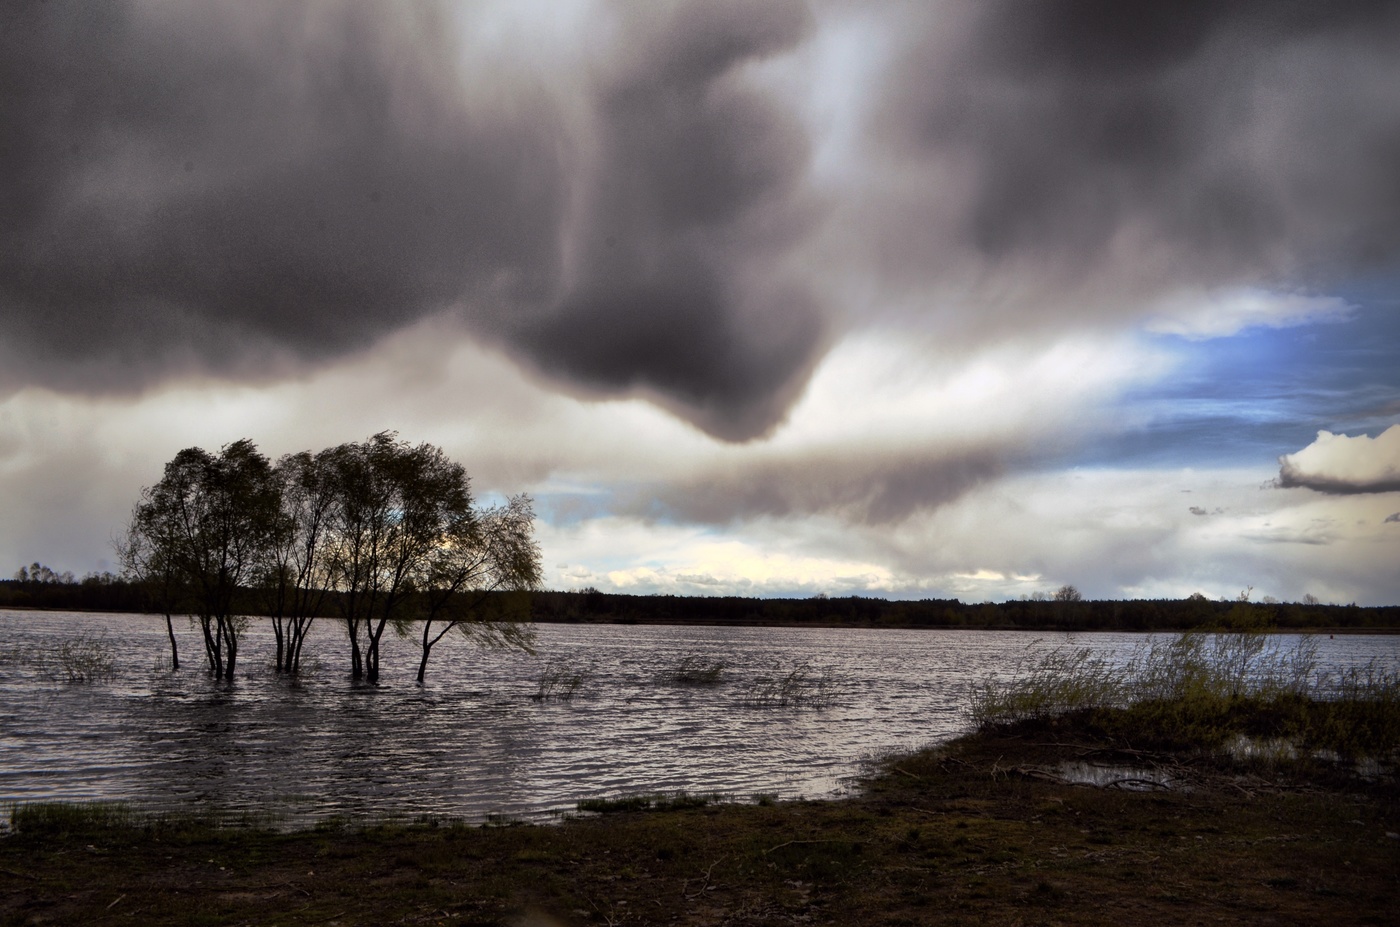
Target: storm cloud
253	189
866	488
195	184
246	187
1087	158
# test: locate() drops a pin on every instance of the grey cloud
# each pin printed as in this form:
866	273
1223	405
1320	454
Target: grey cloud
870	488
1105	152
1291	476
698	579
1393	517
1197	510
239	187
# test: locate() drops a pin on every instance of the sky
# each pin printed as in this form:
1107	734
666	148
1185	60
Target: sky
902	299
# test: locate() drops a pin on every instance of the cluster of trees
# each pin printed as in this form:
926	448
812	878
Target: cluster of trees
380	533
1047	614
37	573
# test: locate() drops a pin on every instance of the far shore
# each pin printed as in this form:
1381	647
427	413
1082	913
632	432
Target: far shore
1040	616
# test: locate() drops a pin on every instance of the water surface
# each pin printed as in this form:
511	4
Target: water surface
473	742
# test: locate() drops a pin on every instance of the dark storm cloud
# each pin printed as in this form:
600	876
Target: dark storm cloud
1291	476
1115	150
220	178
243	185
695	188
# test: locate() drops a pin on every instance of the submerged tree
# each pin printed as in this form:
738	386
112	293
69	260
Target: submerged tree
480	558
397	507
208	522
295	576
147	555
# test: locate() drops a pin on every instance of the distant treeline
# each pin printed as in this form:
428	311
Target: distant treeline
105	592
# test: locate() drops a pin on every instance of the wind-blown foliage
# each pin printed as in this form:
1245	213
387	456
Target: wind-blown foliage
295	578
487	552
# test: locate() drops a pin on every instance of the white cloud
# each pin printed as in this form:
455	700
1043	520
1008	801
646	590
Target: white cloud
1110	533
1342	465
1221	313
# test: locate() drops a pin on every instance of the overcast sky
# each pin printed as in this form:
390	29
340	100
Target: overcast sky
906	299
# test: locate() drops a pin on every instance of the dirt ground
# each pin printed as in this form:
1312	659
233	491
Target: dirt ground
988	830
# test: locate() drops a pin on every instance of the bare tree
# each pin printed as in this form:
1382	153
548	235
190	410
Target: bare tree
1066	593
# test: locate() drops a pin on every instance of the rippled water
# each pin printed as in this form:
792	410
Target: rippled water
473	742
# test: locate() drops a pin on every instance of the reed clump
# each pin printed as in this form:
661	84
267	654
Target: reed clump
560	681
696	670
802	686
85	658
1202	691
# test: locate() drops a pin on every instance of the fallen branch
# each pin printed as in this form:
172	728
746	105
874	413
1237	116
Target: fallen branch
1133	780
704	886
792	843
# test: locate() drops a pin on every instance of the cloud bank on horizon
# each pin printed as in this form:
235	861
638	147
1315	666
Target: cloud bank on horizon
781	297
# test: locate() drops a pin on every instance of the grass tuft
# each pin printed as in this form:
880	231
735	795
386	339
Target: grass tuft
85	658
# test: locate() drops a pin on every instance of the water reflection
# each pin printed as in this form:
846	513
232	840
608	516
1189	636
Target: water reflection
473	742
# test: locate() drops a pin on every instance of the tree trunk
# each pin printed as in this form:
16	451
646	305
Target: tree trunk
283	650
212	649
174	652
231	647
423	662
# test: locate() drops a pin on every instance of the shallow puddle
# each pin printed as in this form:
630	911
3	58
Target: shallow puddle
1105	776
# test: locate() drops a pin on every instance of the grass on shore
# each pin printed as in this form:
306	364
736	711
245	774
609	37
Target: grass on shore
1204	692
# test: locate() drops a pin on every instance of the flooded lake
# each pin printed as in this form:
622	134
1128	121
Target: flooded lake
474	741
